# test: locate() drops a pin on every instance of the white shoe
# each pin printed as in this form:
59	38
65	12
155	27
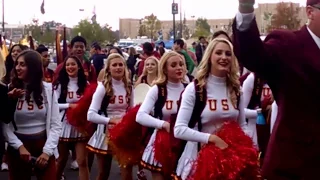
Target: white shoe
74	165
4	167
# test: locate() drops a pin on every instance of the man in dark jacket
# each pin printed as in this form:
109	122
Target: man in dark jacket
289	61
97	57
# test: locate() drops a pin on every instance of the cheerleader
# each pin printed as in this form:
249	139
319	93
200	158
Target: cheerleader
34	132
255	94
14	51
112	97
150	71
172	69
69	87
217	74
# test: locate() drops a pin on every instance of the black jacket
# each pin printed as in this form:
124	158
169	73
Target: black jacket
7	106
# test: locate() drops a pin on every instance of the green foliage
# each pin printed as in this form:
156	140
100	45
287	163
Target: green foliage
152	25
202	28
286	17
142	30
93	32
45	33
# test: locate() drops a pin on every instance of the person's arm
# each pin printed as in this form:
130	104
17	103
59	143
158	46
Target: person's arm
189	61
93	115
62	106
264	58
55	127
274	113
241	118
143	116
247	93
10	137
181	128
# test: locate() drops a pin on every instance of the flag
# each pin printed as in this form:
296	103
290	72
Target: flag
58	48
42	7
65	46
94	17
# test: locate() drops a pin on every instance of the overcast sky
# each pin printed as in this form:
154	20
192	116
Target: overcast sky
109	11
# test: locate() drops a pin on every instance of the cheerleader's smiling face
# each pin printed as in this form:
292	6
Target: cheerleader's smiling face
16	50
175	69
21	68
72	67
151	66
221	59
116	68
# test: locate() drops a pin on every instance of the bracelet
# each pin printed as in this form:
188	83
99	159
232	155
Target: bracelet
246	4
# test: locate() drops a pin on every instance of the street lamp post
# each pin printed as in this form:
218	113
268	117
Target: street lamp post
3	16
181	28
174	23
174	9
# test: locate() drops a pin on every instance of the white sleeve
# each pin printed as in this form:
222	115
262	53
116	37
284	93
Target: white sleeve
55	127
58	92
247	93
143	116
244	20
241	118
274	113
9	135
93	115
181	128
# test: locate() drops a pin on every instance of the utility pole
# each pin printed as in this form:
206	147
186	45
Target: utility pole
174	9
2	16
181	25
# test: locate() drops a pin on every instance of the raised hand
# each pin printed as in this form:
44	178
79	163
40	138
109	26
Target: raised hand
246	6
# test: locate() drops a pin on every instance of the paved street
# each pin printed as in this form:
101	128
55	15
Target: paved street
73	175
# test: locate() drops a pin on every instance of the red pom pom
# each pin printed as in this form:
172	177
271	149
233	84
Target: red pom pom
125	139
238	161
163	153
77	116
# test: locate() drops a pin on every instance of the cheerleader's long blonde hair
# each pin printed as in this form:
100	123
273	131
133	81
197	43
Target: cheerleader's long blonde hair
204	68
107	80
162	68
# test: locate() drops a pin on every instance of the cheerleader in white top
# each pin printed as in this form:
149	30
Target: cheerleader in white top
256	94
34	132
69	87
150	71
217	74
109	104
171	72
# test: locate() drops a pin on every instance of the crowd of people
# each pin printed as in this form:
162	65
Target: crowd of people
193	96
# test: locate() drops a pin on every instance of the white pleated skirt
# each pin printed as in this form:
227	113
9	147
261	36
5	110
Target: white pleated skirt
70	134
98	141
148	161
187	159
